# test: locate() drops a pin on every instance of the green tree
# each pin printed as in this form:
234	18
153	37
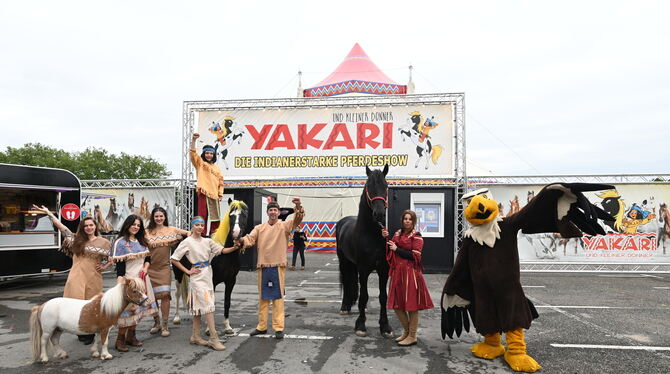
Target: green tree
92	163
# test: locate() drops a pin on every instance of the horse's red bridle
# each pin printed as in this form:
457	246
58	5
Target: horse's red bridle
382	198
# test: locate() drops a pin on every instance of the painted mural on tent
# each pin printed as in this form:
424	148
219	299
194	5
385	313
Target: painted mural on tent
640	231
110	207
414	140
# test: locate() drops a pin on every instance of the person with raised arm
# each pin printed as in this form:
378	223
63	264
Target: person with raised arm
209	186
90	257
271	240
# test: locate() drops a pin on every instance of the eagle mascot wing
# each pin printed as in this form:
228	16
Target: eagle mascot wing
485	280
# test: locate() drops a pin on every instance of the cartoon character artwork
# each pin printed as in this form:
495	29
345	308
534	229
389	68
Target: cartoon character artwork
636	216
614	205
416	131
226	135
664	230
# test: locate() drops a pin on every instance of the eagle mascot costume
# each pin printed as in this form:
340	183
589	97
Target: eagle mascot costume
485	281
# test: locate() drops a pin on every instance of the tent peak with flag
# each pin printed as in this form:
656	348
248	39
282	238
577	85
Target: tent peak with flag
356	74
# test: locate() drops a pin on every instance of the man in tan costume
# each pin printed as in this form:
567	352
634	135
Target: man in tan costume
271	239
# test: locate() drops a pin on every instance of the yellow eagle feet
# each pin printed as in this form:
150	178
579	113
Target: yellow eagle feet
515	355
521	362
490	348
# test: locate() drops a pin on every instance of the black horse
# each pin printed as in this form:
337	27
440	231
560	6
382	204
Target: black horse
225	267
362	249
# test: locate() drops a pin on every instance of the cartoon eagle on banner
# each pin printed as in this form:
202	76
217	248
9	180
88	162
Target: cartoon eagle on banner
485	281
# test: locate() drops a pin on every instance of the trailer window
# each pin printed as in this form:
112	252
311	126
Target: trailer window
21	228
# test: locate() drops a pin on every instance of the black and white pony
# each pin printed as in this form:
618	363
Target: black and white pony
225	267
361	249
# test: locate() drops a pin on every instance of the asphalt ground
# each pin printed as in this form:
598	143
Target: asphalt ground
588	323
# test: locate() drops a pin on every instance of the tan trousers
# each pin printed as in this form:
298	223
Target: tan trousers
277	305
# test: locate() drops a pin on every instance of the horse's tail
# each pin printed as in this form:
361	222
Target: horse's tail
183	288
435	154
36	332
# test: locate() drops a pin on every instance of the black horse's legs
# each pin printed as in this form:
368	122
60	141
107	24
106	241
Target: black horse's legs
384	326
226	306
362	303
348	280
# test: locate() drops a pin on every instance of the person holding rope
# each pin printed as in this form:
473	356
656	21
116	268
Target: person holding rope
271	240
90	255
209	186
200	252
408	292
132	258
160	237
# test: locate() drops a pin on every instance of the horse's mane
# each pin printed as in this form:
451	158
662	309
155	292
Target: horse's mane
112	299
618	217
221	233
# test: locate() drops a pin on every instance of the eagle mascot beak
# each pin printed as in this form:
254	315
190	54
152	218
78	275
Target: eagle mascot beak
481	210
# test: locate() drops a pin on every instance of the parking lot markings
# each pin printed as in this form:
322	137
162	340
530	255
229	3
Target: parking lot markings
600	346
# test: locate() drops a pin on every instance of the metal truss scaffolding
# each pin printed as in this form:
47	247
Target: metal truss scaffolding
546	179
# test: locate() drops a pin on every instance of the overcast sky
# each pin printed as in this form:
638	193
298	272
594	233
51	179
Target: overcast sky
569	87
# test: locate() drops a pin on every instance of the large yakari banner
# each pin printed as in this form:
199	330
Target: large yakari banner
414	141
639	233
110	207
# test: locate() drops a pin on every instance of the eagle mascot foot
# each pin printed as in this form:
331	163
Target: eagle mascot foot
516	356
490	348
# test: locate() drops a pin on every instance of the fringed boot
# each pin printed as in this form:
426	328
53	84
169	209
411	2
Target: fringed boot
404	322
121	340
214	341
196	338
131	339
164	329
157	325
413	327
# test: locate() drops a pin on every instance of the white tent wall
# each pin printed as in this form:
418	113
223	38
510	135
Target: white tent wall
324	206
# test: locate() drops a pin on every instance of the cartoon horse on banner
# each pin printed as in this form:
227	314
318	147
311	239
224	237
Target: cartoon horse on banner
614	205
225	267
226	136
417	131
97	315
664	218
361	249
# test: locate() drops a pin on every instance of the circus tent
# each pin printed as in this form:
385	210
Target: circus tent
356	74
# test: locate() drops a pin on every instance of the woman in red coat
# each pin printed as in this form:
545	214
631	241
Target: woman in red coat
407	289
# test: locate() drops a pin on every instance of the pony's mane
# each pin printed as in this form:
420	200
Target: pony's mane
112	299
221	233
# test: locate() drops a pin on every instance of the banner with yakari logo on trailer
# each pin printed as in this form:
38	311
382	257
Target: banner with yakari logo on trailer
414	140
640	231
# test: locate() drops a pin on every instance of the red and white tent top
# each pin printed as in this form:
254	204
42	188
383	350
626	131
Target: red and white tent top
356	74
